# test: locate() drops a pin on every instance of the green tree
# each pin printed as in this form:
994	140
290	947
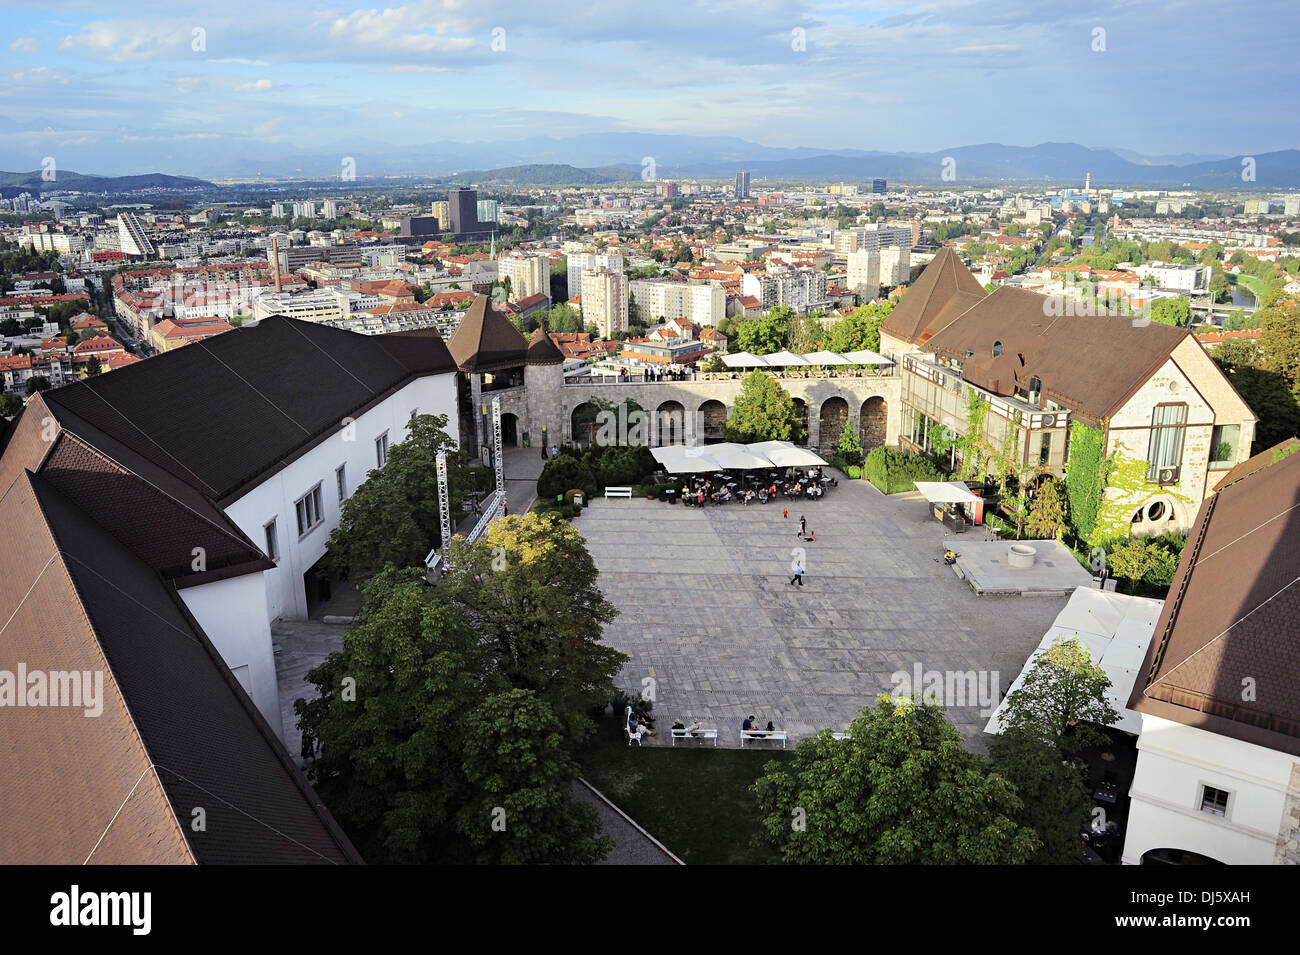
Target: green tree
528	587
388	716
10	404
849	447
763	411
37	383
1053	794
765	334
1062	700
393	517
901	790
860	328
1279	341
1046	518
1171	311
93	367
520	772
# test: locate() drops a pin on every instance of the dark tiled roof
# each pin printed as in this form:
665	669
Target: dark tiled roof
1231	616
221	413
176	733
1089	364
542	351
943	291
485	340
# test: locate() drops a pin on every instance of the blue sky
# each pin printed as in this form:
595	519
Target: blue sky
160	85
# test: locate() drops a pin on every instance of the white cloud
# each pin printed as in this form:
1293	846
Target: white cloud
25	44
254	86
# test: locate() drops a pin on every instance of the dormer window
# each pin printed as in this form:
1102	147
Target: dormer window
997	349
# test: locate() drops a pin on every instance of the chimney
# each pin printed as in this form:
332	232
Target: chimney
275	260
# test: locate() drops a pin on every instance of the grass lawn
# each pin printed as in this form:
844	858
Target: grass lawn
694	798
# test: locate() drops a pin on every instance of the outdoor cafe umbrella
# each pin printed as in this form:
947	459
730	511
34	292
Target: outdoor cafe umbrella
678	459
826	358
737	457
785	454
744	360
866	356
784	359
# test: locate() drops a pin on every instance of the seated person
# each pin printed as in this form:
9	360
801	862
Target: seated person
678	725
762	496
695	728
645	729
748	725
950	557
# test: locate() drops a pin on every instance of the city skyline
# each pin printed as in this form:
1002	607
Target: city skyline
171	85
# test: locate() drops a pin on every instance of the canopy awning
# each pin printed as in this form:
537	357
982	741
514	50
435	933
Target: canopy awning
784	454
826	358
783	359
946	492
744	359
865	356
1116	630
736	457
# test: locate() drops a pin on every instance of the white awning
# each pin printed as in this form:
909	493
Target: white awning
744	359
679	459
784	454
783	359
826	358
946	492
1116	630
731	457
866	356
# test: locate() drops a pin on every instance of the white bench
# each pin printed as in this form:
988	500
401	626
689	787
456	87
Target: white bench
619	492
698	734
627	721
762	734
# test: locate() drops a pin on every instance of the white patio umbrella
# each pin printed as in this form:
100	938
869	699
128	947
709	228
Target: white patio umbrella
866	356
678	459
737	457
946	492
783	359
784	454
744	360
826	358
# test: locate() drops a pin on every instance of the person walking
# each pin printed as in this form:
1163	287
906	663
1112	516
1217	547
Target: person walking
505	507
798	573
785	512
803	526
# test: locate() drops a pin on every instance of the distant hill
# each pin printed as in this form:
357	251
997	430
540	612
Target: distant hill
539	174
12	183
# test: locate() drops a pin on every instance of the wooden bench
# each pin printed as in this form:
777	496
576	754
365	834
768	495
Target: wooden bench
618	492
698	734
762	734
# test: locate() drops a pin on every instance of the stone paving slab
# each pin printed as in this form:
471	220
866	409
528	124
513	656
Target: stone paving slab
985	566
708	611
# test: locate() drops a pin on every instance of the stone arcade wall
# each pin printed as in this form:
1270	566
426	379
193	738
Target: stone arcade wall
554	404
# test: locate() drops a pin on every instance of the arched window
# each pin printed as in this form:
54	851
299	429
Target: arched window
997	349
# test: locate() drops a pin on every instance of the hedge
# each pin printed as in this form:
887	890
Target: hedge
595	468
893	471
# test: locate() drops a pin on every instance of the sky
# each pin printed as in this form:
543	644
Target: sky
161	86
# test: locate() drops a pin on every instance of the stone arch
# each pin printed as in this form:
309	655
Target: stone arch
670	423
874	426
583	420
1168	856
832	420
509	430
801	414
713	415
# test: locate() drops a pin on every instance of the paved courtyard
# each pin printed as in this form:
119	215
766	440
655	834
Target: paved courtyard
709	614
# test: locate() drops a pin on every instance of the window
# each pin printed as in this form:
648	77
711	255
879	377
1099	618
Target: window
1223	445
997	349
381	449
1168	427
1045	450
309	511
341	481
414	412
1214	801
272	542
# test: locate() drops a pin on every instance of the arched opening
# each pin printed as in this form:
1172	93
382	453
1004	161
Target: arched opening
1176	857
509	430
832	421
670	419
584	423
801	414
874	424
714	415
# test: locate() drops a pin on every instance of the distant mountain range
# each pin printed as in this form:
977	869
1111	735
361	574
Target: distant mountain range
12	183
598	158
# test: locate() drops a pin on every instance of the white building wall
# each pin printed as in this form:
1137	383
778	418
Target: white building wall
233	613
1174	763
276	497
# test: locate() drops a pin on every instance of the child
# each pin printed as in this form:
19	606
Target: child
785	512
